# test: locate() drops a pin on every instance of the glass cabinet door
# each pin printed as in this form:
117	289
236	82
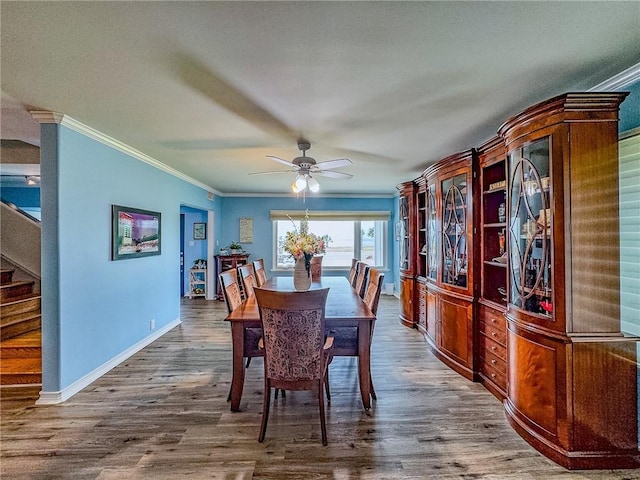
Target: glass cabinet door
454	230
432	234
530	226
404	233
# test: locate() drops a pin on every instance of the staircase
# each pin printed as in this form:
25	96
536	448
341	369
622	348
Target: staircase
20	334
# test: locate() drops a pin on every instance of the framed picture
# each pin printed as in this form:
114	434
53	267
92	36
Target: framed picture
199	231
134	232
246	230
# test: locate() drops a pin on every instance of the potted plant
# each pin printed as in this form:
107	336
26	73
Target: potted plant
235	248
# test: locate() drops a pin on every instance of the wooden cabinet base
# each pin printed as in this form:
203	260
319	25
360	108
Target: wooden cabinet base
573	460
574	399
406	302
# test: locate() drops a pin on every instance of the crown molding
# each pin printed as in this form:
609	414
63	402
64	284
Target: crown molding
307	197
621	80
67	121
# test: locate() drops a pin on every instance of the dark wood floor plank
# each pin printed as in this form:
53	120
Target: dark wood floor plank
163	414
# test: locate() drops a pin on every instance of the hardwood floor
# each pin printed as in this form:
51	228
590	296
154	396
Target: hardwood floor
163	414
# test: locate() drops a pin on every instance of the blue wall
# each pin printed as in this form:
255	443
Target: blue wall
94	309
630	108
258	208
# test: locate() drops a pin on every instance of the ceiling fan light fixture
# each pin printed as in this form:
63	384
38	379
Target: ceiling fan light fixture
313	184
294	187
301	182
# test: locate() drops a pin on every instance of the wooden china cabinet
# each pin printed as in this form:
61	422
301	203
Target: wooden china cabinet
571	373
448	261
229	262
510	269
407	251
491	256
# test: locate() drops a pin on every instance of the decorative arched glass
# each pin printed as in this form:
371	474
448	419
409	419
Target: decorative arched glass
530	225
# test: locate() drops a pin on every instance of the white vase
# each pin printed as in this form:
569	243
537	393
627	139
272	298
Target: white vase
301	276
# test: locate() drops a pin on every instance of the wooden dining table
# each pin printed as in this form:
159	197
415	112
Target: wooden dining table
346	315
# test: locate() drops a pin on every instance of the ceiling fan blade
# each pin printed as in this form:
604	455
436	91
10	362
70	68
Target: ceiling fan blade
280	160
332	174
270	173
337	163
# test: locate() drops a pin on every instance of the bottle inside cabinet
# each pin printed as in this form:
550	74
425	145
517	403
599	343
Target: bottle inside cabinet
530	229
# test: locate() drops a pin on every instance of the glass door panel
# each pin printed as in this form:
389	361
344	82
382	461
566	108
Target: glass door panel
530	226
454	231
432	234
404	233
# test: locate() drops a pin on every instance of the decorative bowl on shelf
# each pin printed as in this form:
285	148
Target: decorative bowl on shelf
501	259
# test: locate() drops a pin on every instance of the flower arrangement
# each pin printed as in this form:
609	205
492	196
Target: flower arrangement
301	243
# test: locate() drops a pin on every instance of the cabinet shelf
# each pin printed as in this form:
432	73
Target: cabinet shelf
495	225
495	264
197	282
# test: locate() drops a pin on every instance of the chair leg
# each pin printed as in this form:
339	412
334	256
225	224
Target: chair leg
265	410
323	425
373	390
284	393
248	362
326	385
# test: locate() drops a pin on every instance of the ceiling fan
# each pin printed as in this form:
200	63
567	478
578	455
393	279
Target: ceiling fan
306	168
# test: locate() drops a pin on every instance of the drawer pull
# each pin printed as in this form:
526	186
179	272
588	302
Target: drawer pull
493	320
494	334
493	375
494	348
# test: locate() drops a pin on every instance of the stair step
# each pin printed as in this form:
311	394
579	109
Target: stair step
20	394
18	317
6	276
27	345
16	289
14	328
25	303
14	371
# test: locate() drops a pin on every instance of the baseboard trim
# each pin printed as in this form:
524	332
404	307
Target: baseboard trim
55	398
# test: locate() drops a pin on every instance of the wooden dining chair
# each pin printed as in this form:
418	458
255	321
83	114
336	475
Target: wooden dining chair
353	272
372	298
230	289
233	298
261	273
361	278
296	352
248	279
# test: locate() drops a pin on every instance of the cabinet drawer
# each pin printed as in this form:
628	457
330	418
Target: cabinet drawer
494	374
492	347
495	361
494	332
493	318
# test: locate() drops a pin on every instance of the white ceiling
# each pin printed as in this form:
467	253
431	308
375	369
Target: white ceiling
211	88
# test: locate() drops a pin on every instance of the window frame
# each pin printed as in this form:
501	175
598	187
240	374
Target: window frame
357	217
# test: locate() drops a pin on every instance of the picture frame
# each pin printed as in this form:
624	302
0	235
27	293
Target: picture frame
135	232
199	231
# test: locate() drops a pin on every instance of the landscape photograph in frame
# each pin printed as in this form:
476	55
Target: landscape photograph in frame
134	233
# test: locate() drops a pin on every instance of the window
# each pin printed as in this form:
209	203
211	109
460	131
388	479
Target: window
629	234
361	235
